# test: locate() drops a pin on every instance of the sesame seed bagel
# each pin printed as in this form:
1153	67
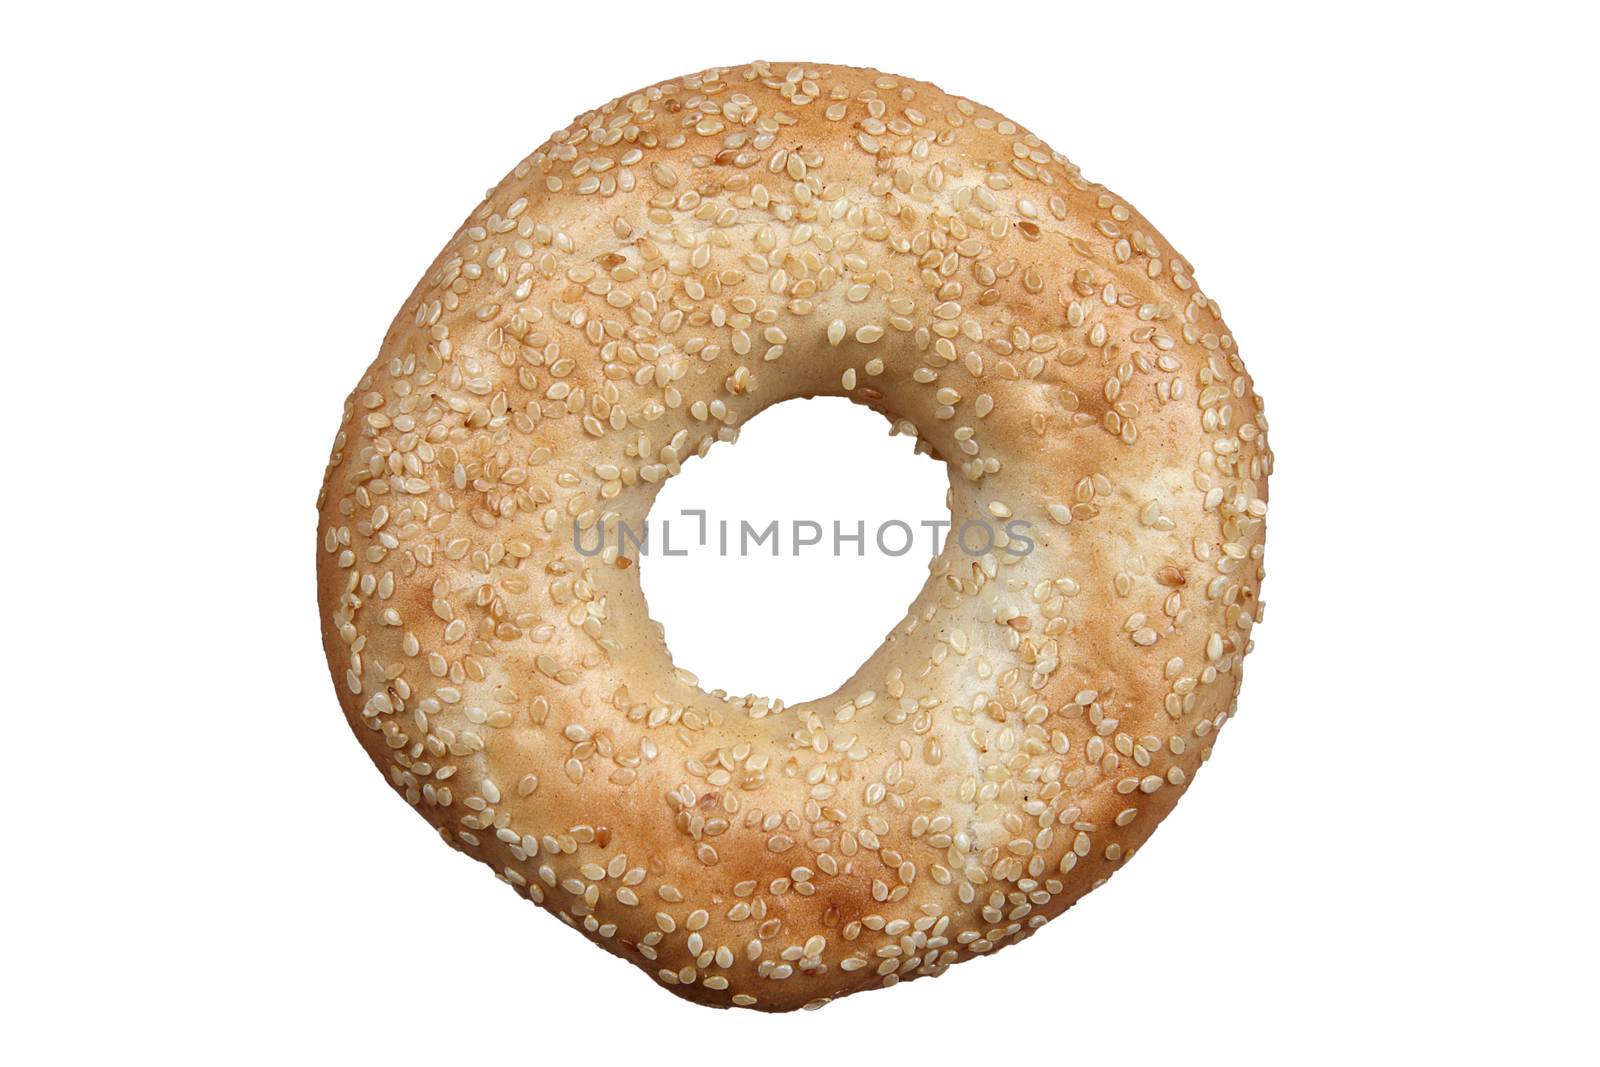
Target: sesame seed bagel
631	293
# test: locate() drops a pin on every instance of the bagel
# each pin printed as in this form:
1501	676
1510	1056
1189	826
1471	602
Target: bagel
632	292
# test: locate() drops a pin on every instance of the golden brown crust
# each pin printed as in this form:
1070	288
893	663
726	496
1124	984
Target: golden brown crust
641	285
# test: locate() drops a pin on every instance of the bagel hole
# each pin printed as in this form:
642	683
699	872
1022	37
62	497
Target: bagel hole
796	625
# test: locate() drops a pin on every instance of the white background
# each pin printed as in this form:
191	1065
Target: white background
210	217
